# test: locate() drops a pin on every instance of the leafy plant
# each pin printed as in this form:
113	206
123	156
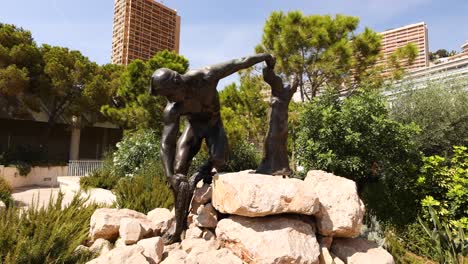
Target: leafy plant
146	190
243	156
439	108
135	149
47	234
5	192
450	246
445	187
105	177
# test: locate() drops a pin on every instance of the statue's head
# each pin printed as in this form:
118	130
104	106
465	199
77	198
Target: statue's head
168	83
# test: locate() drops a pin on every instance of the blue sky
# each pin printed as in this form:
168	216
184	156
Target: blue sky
217	30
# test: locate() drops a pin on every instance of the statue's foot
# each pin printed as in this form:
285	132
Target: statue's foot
170	238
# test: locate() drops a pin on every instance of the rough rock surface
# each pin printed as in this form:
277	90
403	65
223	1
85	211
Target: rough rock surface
325	257
130	230
105	222
341	210
273	239
177	256
248	194
101	246
206	216
153	249
360	251
122	255
162	220
193	232
222	256
203	194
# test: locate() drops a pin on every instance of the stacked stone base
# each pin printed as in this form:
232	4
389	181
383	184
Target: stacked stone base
246	218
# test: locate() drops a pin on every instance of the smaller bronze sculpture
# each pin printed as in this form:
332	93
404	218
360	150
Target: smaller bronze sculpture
194	96
275	149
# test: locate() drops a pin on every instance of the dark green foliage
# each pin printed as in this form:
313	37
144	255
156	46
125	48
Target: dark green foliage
243	156
356	139
48	234
5	192
146	190
136	108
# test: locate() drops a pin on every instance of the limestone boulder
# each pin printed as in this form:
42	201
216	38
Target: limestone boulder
253	195
101	246
153	249
193	232
269	240
341	211
176	256
105	222
206	216
360	251
221	256
198	245
202	195
122	255
162	220
130	230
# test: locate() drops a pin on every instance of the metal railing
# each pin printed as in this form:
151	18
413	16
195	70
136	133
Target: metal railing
83	167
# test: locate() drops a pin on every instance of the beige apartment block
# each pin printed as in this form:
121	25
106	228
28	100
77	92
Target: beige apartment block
395	38
141	29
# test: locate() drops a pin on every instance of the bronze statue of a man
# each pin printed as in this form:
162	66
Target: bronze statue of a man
275	149
193	95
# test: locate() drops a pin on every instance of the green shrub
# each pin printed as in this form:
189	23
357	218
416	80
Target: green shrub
444	186
450	246
243	156
5	192
146	190
356	139
135	149
105	177
440	110
48	234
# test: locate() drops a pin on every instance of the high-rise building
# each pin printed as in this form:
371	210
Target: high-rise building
398	37
142	28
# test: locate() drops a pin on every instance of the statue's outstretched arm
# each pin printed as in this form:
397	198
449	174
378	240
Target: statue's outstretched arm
221	70
169	138
270	77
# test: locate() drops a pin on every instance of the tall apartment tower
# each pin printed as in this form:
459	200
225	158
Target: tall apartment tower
142	28
395	38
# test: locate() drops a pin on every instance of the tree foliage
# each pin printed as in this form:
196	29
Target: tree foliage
439	108
248	100
20	70
319	49
133	106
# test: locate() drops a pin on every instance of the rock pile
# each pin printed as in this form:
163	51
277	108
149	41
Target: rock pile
246	218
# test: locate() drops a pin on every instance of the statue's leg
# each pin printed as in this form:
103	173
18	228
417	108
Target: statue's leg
218	149
187	147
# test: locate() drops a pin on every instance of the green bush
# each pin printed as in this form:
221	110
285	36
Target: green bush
243	156
356	139
450	246
5	192
440	110
146	190
105	177
135	149
444	186
48	234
